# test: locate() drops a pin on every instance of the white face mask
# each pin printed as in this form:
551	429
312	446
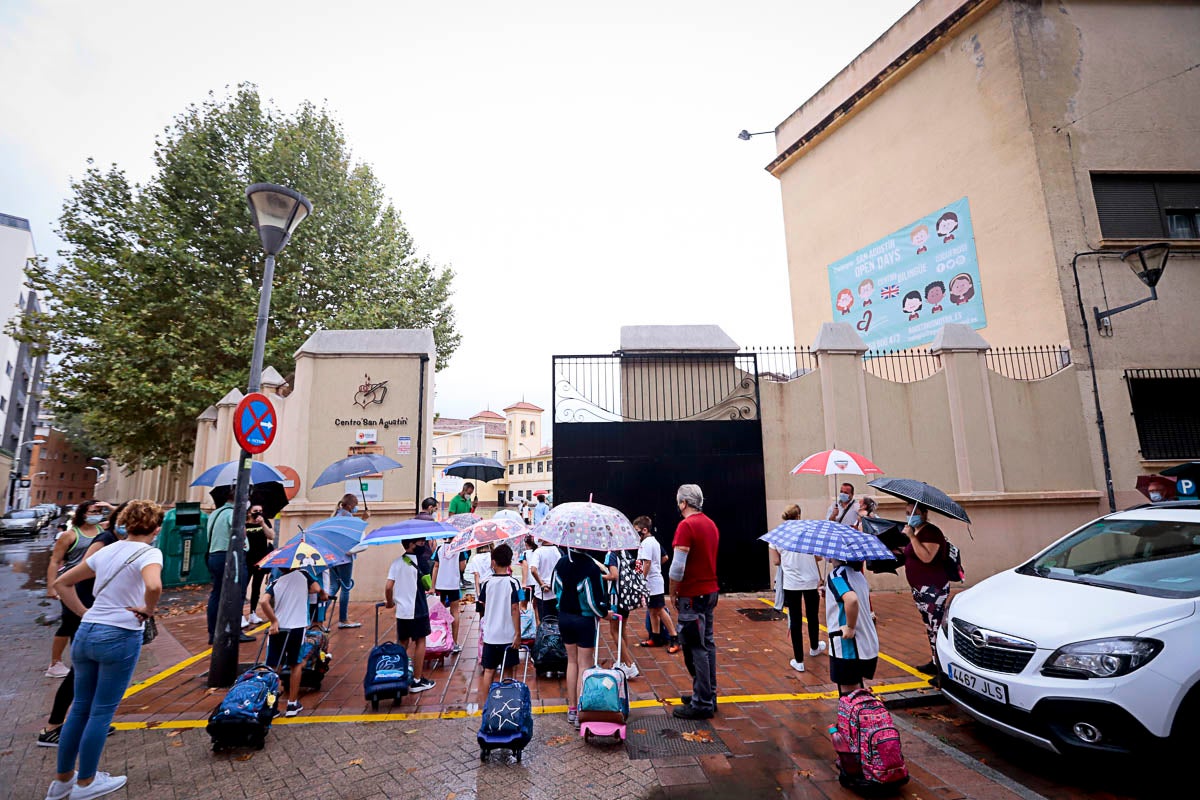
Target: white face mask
1156	497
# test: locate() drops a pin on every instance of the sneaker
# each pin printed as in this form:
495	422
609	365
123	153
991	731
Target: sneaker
631	670
456	649
103	784
472	709
293	709
245	622
243	638
57	669
692	712
674	647
421	685
816	651
797	665
928	669
349	624
60	790
649	643
49	738
255	619
573	717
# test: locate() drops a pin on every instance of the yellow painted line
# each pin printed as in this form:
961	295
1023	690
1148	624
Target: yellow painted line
172	670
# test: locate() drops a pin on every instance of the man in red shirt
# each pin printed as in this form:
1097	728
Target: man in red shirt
694	590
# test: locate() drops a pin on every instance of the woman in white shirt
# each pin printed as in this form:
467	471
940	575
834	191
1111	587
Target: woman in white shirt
128	577
801	579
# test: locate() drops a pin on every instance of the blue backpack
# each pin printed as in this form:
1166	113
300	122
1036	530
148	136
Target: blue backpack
252	698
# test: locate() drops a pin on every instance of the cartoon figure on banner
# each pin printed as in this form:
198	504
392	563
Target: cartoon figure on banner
934	293
845	301
864	324
947	224
912	305
962	288
865	290
919	236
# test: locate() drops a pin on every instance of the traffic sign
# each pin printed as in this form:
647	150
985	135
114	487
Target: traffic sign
254	423
291	483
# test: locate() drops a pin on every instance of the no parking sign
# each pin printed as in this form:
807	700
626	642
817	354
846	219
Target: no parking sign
254	423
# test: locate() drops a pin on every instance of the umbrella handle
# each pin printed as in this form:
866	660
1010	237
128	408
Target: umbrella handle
363	492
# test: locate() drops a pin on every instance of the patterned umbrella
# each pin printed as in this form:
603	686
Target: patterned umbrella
463	521
409	529
587	526
300	553
489	531
836	462
922	494
822	537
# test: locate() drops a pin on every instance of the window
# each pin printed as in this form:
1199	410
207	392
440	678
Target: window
511	469
1168	424
549	466
532	428
521	468
62	476
495	455
522	427
70	495
8	369
1148	206
540	466
3	403
60	495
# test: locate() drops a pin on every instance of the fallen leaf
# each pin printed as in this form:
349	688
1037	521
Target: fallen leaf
244	757
176	743
768	650
211	690
451	796
411	770
733	649
806	773
666	704
355	763
640	731
668	733
555	741
174	733
704	735
411	731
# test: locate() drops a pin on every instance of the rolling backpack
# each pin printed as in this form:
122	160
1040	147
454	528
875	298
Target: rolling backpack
549	652
440	642
868	745
243	719
631	583
314	659
388	670
507	722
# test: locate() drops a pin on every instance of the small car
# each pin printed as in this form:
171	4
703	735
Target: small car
22	522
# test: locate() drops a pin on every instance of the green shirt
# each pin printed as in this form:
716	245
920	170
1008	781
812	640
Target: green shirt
460	505
220	526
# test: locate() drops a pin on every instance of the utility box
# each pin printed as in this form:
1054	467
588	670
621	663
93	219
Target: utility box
184	544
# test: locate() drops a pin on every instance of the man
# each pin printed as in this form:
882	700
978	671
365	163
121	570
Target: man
405	591
425	553
465	501
541	565
650	563
541	510
1158	490
220	530
694	590
844	509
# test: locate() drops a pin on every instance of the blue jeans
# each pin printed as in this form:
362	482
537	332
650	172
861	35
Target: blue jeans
341	581
216	567
104	658
699	649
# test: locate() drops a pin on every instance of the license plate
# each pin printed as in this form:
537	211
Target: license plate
989	689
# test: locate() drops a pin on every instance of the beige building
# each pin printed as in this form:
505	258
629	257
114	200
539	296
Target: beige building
1067	127
512	438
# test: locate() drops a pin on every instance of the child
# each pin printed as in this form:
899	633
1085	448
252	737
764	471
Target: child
853	641
500	596
285	606
405	592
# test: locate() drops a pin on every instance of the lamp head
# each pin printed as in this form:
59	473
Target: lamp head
1148	261
744	135
277	211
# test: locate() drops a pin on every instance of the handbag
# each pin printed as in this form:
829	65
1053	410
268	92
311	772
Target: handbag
779	588
150	627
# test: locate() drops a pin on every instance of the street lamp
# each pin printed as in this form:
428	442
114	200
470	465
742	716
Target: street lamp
1147	262
745	135
276	211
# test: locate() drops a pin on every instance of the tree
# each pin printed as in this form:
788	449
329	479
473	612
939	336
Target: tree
153	303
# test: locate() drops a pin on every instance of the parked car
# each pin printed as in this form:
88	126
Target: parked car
1094	644
22	522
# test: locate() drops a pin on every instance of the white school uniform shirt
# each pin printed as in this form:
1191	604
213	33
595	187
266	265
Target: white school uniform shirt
497	594
480	564
865	643
404	592
650	550
449	579
289	598
126	587
545	559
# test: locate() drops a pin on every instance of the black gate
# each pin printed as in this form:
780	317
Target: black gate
629	429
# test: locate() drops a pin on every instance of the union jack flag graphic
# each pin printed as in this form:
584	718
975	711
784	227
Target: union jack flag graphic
888	292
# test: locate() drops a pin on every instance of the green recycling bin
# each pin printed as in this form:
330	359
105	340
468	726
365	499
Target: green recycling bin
184	544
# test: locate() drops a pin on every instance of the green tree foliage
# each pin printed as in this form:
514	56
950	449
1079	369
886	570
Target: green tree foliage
153	304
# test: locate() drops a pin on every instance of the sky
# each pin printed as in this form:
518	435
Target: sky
577	165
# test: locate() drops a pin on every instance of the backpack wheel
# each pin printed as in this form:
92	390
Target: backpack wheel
518	755
374	703
483	754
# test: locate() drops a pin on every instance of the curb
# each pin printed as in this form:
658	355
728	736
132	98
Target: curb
916	698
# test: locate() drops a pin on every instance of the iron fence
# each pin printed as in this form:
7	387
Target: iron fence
782	364
902	366
1028	363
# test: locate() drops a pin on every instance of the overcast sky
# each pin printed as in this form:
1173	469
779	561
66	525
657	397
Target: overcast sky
576	164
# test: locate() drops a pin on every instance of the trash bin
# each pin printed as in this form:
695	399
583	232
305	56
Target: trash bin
184	544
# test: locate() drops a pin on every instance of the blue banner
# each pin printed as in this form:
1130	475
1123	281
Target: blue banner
900	290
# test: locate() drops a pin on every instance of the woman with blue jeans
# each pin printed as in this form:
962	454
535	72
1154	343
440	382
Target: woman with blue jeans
341	576
128	580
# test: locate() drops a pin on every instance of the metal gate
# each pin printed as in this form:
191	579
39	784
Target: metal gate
629	429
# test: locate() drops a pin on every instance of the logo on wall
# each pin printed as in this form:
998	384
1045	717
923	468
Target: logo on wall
370	393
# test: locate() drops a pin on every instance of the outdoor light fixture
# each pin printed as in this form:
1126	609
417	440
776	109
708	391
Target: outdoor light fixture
745	135
1147	262
277	211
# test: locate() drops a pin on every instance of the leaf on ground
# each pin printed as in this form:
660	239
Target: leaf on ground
640	731
411	770
176	743
451	796
733	649
768	650
211	690
669	733
243	757
411	731
666	704
704	736
806	773
555	741
174	733
355	763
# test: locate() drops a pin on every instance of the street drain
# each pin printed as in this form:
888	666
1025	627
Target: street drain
761	614
662	735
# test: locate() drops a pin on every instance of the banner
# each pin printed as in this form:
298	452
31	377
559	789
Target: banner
900	290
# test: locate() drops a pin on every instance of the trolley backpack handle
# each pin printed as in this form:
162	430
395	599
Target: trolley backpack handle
377	607
620	636
504	660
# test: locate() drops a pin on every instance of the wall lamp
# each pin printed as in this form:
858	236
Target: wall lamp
745	135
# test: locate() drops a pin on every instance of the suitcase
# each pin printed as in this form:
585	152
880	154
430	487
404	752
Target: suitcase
507	722
388	671
440	642
243	719
549	654
604	701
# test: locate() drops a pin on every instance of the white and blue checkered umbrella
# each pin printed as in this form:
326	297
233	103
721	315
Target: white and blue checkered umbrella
822	537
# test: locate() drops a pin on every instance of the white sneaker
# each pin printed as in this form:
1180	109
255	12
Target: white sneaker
472	708
103	784
60	790
797	665
816	651
254	619
57	670
631	670
245	622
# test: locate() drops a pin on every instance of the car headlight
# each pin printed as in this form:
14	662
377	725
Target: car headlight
1101	658
945	626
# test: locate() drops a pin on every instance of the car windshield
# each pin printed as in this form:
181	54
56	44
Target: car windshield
27	514
1154	557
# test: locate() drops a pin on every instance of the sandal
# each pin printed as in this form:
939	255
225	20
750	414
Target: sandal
675	648
649	643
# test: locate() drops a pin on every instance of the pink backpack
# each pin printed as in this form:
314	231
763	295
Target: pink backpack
441	633
867	743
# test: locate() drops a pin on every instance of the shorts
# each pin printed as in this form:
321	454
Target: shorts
449	596
657	601
68	623
851	671
285	645
493	655
417	628
577	629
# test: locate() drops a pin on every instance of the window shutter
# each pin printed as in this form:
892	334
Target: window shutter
1127	207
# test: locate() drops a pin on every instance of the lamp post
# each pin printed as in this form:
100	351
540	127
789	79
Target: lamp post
276	211
1147	262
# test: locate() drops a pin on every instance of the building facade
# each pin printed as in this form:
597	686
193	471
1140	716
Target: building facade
59	472
512	438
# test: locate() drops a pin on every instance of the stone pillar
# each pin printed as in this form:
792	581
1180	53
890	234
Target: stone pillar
206	430
839	350
227	449
972	420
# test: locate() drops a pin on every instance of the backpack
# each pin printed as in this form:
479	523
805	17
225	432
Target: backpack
867	743
251	699
953	562
631	583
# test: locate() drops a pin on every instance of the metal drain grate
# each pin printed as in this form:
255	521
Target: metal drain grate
661	735
761	614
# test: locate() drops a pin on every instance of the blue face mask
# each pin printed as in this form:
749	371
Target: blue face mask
1156	497
914	520
93	519
121	531
843	497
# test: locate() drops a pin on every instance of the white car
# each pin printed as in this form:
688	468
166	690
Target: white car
1094	644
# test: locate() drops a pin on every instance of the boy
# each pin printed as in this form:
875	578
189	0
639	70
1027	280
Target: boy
500	596
650	562
405	592
853	641
285	606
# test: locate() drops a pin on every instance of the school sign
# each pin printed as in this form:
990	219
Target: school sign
900	290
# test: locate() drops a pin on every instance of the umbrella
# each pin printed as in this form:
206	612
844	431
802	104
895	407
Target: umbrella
822	537
488	531
225	474
587	526
889	532
334	545
344	532
410	529
836	462
1144	481
922	494
300	552
463	521
1188	469
476	468
355	467
508	513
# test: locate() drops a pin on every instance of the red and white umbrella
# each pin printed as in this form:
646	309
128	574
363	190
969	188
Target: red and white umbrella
836	462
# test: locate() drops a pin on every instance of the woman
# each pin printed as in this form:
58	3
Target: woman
801	580
866	508
341	576
925	571
578	584
68	551
128	578
260	537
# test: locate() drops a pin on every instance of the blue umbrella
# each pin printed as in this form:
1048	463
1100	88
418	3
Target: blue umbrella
410	529
476	468
822	537
334	546
356	467
303	553
345	532
225	474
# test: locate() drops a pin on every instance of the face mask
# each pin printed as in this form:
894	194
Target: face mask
121	531
93	519
843	497
1156	497
914	520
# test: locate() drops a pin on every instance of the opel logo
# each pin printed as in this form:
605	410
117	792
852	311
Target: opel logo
978	638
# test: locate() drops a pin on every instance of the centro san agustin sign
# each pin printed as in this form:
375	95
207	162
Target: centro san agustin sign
368	422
